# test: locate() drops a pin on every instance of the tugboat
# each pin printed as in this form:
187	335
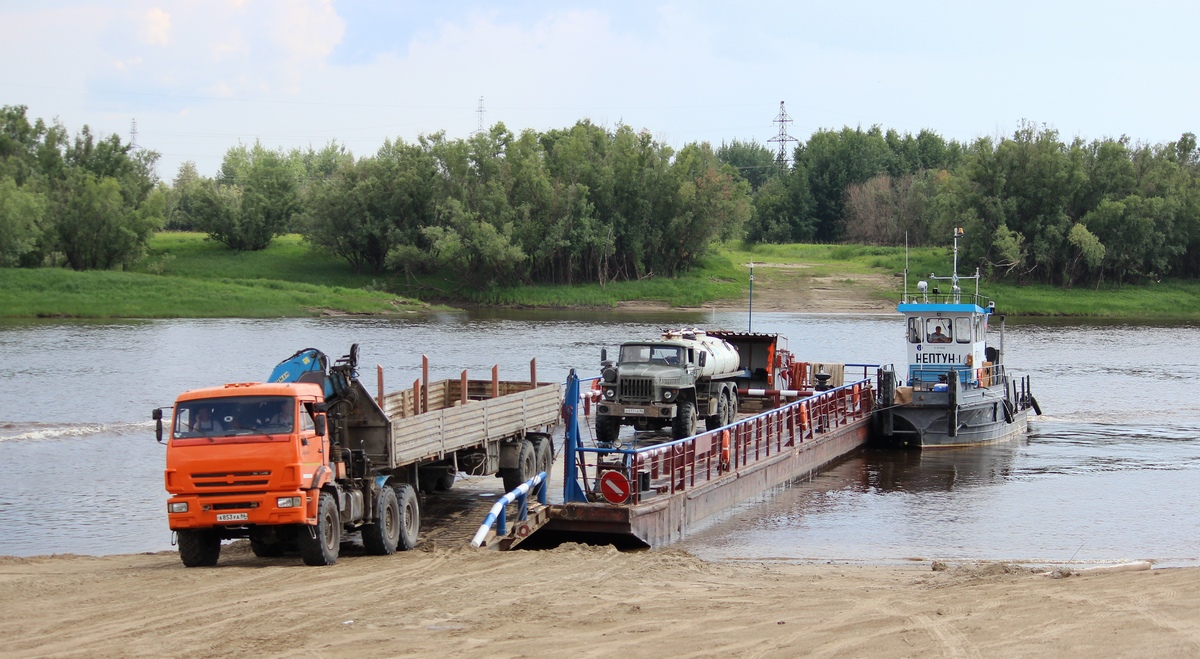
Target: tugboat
957	391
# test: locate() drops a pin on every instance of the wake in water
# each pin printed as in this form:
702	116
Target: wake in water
32	431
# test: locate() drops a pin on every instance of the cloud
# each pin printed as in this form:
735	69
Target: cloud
156	27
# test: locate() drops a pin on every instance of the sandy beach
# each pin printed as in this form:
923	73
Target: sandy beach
585	602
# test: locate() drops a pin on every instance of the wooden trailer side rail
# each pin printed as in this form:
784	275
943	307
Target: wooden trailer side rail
455	426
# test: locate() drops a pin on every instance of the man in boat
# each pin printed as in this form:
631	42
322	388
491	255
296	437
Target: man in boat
938	336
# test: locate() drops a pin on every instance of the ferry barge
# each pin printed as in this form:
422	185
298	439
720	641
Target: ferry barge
956	390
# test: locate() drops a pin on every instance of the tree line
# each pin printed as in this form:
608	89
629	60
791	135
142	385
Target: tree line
593	204
1033	206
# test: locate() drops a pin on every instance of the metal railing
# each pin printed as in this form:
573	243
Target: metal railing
497	517
679	465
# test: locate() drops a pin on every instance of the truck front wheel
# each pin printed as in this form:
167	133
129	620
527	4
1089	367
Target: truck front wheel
684	424
607	429
381	537
319	544
199	547
410	517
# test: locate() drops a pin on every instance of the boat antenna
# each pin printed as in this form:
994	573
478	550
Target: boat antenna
958	232
906	266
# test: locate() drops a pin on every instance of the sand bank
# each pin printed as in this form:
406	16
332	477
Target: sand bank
582	602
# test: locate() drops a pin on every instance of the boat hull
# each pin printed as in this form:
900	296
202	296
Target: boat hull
926	421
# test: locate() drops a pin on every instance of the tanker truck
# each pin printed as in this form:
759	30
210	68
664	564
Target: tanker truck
673	381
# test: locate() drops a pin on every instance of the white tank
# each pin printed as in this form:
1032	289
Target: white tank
722	356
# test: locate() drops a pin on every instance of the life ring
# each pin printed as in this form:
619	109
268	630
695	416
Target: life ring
724	450
857	400
970	360
804	417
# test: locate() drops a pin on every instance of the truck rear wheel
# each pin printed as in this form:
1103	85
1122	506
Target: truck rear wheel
199	547
607	429
381	537
319	544
684	424
544	452
526	467
718	419
410	517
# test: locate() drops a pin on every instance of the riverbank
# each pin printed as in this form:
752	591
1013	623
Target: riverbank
583	601
188	276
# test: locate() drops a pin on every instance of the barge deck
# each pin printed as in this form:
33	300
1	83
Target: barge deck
649	496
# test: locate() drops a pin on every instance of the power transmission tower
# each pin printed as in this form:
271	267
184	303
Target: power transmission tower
480	112
782	138
133	134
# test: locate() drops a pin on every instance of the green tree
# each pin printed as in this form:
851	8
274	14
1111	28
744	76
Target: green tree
753	161
252	200
21	212
94	228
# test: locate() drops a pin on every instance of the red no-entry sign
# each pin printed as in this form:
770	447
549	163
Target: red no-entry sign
614	487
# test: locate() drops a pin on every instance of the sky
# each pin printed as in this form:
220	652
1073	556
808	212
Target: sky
202	76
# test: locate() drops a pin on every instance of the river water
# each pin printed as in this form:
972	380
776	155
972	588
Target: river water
1108	473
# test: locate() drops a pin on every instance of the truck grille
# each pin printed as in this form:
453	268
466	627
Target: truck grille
232	479
636	389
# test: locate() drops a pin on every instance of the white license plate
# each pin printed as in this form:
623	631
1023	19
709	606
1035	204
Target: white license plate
635	410
233	517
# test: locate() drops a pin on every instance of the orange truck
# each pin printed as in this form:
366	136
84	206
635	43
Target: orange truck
310	457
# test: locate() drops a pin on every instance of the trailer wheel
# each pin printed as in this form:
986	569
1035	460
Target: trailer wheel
526	467
684	424
544	452
717	420
410	517
607	429
319	544
382	537
199	547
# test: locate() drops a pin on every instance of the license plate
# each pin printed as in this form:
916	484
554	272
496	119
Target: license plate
635	410
233	517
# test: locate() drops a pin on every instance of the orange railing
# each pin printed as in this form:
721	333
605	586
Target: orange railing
679	465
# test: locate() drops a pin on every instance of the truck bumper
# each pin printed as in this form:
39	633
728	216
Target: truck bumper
233	510
647	410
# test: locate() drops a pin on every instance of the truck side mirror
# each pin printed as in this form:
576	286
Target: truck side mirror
156	414
703	358
319	423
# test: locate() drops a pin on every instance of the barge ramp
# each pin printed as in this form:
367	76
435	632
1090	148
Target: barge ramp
649	496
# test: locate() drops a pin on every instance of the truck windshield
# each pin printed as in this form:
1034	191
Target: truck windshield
649	354
226	417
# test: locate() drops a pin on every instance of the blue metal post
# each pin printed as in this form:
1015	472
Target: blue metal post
572	491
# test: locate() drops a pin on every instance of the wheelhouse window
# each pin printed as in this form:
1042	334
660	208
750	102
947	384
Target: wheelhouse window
914	330
962	329
937	330
227	417
645	354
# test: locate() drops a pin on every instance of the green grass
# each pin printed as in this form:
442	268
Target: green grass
1170	299
186	275
53	292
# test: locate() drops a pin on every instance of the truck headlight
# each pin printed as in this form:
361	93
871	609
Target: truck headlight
610	393
669	395
177	507
288	502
